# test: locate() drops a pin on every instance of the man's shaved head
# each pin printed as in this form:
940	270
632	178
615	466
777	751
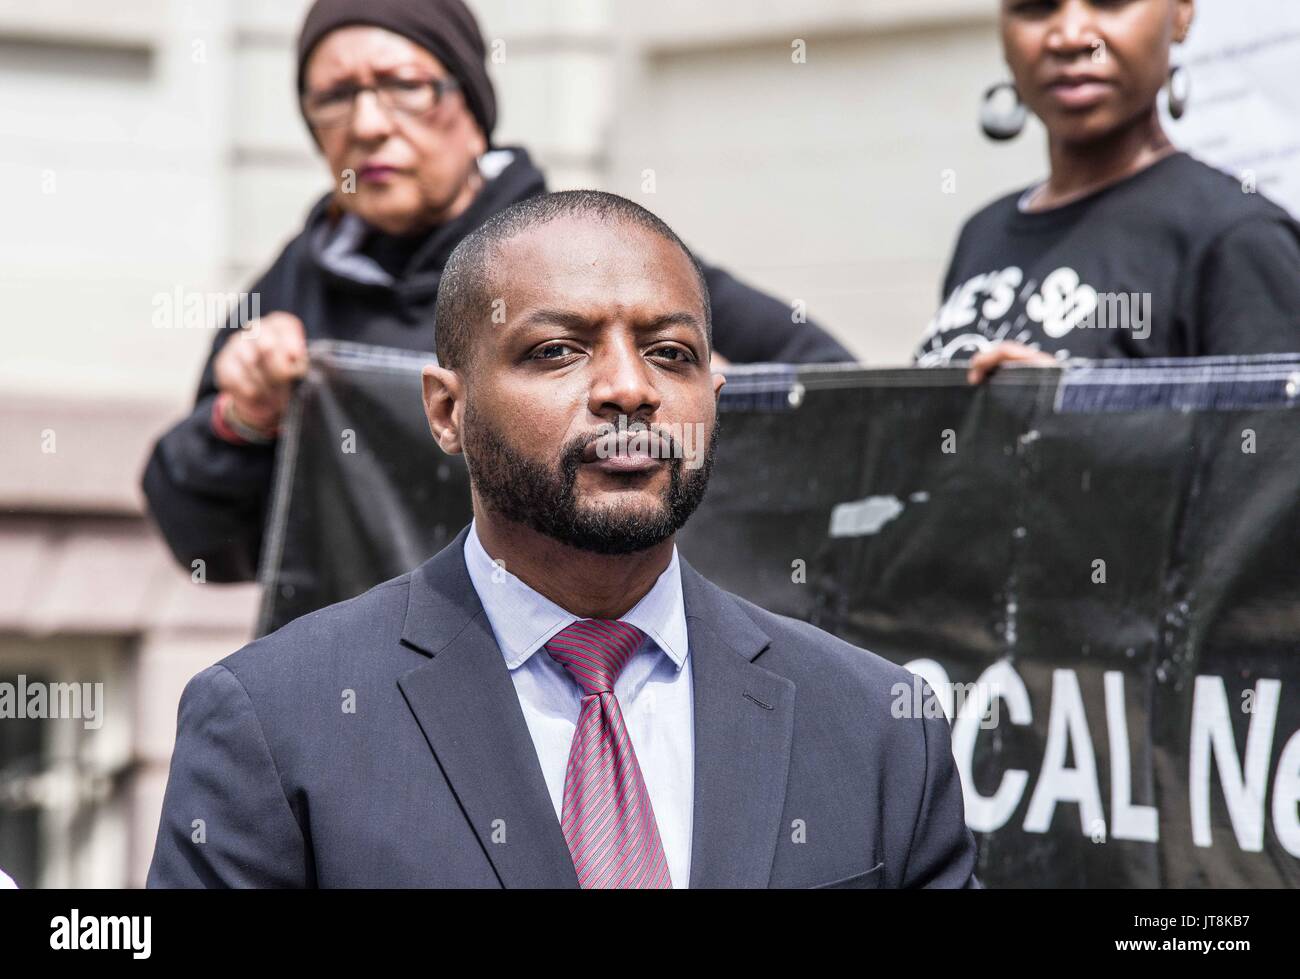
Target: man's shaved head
575	375
468	289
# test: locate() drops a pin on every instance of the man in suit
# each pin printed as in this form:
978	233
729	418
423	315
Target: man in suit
557	699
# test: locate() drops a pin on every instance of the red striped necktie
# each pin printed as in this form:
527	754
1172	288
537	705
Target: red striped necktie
606	818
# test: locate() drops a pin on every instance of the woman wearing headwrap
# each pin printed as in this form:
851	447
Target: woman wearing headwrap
1129	248
398	100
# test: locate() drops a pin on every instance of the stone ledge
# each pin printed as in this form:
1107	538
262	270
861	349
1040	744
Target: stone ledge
107	576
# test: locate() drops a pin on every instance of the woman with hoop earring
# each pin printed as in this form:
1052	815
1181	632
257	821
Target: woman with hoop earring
1130	248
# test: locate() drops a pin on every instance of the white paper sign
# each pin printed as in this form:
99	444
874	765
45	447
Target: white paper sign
1244	113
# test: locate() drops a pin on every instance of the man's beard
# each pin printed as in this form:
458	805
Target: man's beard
545	498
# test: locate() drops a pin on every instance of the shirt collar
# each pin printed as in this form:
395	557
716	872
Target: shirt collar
523	620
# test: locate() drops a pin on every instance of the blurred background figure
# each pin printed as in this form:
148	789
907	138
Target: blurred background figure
153	158
1130	248
398	99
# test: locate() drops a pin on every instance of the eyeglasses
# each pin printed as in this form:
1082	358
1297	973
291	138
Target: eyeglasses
410	97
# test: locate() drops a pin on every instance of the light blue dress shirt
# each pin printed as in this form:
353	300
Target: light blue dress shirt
654	690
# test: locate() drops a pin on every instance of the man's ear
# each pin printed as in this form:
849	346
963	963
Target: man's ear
443	404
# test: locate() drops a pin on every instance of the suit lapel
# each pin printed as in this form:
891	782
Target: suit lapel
744	725
467	707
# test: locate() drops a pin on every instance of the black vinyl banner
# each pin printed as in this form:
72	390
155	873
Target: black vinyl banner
1096	569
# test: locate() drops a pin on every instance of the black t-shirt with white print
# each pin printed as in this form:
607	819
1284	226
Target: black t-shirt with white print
1175	261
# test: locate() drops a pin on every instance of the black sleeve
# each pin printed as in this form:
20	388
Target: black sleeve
945	290
209	497
751	327
1248	290
954	260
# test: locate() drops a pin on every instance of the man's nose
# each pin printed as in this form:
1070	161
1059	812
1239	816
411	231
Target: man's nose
622	383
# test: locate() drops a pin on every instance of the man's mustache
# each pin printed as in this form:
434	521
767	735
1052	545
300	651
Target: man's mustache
639	439
674	441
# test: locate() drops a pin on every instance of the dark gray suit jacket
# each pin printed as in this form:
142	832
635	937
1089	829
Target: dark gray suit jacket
803	776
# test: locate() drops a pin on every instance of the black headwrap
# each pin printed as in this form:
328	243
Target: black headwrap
444	27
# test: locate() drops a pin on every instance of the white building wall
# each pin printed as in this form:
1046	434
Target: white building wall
111	137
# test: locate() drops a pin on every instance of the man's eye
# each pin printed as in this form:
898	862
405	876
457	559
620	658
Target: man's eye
677	353
548	352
